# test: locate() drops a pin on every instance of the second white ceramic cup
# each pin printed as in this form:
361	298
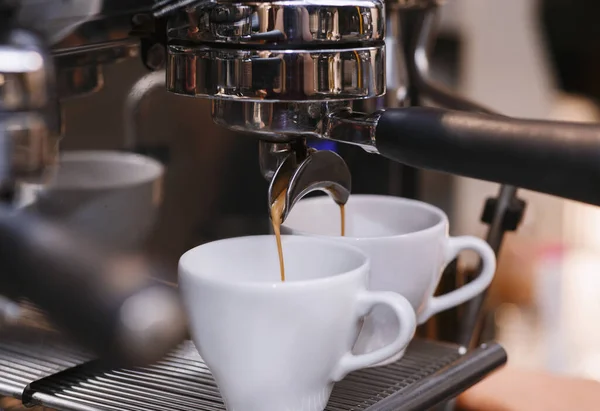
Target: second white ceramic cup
409	247
274	345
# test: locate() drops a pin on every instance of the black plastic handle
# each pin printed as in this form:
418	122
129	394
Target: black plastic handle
106	302
557	158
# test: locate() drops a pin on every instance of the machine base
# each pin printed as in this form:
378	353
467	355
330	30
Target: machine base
40	370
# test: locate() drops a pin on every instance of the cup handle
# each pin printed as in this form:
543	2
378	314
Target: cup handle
408	323
467	291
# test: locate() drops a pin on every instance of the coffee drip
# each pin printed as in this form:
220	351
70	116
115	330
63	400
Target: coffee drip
276	214
343	218
276	219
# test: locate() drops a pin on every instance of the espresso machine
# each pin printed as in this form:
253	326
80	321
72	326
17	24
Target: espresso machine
285	73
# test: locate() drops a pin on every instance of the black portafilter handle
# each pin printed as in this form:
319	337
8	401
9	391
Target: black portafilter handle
105	302
551	157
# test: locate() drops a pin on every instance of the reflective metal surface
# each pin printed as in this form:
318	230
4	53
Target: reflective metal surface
427	375
275	122
78	35
79	81
29	114
302	170
105	53
351	127
288	23
324	171
395	64
397	84
56	20
25	72
280	51
26	147
285	122
79	70
131	116
276	75
23	362
271	156
69	24
81	35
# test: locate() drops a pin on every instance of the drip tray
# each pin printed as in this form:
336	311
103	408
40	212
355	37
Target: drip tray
49	374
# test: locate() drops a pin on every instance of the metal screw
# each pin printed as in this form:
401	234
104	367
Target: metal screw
156	57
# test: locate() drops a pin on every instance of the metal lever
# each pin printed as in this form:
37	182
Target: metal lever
302	170
141	89
107	303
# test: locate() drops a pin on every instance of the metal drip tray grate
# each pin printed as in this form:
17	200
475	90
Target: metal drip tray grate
31	350
429	373
21	363
39	368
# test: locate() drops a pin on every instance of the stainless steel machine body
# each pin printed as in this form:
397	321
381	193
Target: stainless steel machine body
283	71
278	69
50	52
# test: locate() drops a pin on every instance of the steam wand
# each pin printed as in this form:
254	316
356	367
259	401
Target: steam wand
502	213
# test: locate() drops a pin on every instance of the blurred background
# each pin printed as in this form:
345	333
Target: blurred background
523	58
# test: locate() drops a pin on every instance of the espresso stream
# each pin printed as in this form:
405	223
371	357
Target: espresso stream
276	214
343	217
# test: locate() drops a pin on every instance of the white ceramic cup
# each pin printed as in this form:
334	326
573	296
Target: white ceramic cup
408	245
273	345
112	196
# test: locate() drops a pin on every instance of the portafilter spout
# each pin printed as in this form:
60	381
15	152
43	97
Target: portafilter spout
300	170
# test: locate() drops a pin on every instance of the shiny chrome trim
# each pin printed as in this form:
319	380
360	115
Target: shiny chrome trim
293	22
350	127
131	112
277	75
275	122
301	170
